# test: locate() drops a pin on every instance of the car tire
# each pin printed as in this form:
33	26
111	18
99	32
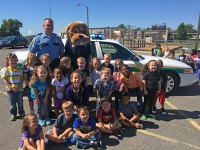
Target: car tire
172	83
14	46
0	47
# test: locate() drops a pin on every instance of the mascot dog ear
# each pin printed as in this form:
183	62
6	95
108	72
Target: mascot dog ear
78	33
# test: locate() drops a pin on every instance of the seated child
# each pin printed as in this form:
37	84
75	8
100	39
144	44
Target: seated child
62	131
32	134
107	118
59	83
76	93
85	129
128	113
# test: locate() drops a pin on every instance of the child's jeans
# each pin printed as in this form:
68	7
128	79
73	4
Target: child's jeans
41	110
83	143
198	74
16	98
138	93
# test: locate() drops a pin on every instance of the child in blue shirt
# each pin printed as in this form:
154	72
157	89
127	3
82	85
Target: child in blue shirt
85	129
62	131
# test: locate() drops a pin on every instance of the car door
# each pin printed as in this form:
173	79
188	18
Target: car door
117	51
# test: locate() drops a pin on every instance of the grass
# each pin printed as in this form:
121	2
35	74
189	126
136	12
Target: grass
183	44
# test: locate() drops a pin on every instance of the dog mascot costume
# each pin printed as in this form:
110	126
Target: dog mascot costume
77	44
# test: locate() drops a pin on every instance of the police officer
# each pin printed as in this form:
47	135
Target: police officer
48	42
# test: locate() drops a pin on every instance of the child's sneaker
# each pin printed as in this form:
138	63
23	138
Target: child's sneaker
22	116
144	117
41	122
77	145
13	118
152	116
98	143
48	121
154	110
163	111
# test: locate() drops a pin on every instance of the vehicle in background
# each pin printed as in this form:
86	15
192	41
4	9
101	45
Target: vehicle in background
179	74
13	42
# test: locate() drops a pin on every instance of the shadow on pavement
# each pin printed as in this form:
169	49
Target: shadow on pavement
178	114
186	91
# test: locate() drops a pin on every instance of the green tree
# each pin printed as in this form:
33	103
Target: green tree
190	28
182	32
10	27
121	26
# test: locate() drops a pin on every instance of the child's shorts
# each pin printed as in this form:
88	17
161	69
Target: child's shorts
58	103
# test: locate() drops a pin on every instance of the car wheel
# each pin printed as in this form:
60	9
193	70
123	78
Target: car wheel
0	47
172	83
14	46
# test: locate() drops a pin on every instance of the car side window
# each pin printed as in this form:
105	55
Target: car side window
116	51
93	49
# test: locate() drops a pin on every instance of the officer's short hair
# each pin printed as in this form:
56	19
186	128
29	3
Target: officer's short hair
48	19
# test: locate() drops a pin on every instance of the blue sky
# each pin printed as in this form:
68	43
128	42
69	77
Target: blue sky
102	13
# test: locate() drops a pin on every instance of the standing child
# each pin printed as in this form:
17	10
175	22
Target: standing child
129	115
45	60
78	94
65	65
152	86
59	83
95	71
86	132
197	67
103	86
132	85
107	119
117	82
182	57
32	137
13	79
28	69
107	59
161	94
62	131
158	51
172	55
83	70
39	83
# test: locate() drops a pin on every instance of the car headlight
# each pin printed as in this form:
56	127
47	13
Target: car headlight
188	71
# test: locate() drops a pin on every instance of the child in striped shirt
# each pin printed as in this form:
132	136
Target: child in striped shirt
13	79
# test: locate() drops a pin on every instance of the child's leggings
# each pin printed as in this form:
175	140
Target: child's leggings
148	101
160	96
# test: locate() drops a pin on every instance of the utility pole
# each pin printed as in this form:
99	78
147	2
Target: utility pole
197	36
49	8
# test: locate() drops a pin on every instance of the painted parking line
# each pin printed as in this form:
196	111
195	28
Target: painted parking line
166	138
190	120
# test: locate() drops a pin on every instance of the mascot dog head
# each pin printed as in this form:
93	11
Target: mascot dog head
78	33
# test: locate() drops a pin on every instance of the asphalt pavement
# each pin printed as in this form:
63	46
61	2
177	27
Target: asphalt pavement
179	130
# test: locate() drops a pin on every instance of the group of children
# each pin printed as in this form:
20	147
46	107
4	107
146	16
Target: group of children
69	89
192	59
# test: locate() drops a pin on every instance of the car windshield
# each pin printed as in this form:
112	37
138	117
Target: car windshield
9	38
